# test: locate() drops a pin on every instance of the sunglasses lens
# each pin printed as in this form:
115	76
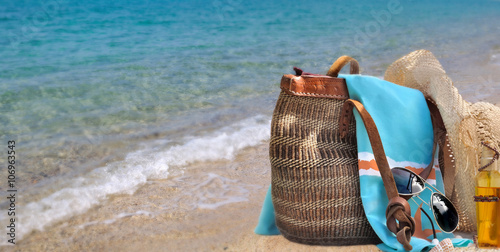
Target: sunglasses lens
407	182
445	213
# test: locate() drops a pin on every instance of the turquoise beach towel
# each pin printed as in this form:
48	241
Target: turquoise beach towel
404	123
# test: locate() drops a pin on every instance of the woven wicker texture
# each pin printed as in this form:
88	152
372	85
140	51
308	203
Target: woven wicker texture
466	124
315	179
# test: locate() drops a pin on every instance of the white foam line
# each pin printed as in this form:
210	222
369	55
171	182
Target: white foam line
125	176
224	199
117	217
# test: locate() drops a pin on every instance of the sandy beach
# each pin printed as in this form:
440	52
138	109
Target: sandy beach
144	125
176	215
204	206
182	226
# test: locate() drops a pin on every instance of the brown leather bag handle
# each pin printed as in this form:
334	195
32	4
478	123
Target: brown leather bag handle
340	63
398	213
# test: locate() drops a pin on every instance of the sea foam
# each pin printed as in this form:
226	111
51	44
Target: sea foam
127	175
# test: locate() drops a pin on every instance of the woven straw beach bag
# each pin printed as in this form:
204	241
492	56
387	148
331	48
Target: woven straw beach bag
315	177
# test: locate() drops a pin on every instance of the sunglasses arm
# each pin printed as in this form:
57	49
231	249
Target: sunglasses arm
430	220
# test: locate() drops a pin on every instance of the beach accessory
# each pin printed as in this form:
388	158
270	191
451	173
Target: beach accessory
315	181
487	198
410	184
405	128
460	127
316	195
315	176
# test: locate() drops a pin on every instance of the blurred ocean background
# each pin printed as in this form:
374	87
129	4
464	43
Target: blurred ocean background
101	96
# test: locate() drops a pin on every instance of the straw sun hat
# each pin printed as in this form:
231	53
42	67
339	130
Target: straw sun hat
466	125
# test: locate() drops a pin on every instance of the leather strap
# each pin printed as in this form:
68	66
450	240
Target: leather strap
324	86
340	63
398	209
315	86
398	214
445	150
344	129
427	171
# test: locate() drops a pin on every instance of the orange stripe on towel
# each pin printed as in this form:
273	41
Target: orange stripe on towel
366	165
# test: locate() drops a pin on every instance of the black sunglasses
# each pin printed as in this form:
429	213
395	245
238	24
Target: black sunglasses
410	184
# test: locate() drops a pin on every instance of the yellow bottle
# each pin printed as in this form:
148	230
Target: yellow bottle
487	199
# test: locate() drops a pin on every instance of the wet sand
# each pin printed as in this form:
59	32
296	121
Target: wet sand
176	214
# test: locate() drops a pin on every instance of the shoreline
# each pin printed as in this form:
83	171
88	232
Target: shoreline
159	216
204	206
186	228
142	221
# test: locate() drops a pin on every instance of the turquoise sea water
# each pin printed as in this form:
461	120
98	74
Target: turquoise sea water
99	94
